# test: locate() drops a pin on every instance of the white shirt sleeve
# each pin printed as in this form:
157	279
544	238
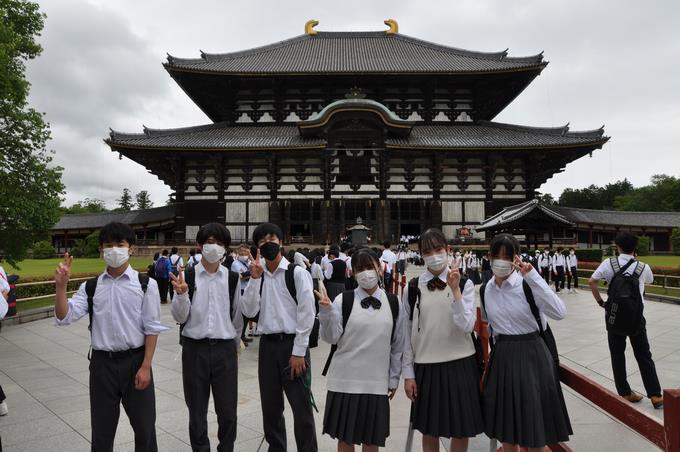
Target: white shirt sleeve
407	347
604	271
330	321
306	310
250	302
3	307
465	310
547	301
180	307
77	306
151	311
647	276
396	351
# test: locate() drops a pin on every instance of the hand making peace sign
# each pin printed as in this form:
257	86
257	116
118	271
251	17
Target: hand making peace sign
178	283
63	272
255	266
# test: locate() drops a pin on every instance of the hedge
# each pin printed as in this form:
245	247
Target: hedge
43	250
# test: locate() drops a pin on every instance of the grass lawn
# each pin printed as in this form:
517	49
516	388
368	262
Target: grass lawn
661	261
45	267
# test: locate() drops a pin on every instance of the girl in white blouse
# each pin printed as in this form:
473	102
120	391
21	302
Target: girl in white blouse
441	375
363	324
523	401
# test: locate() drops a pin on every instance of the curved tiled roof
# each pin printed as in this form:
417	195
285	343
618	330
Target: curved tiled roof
483	134
98	220
518	211
620	218
355	52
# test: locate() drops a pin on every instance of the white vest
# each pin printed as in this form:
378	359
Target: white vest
361	364
439	339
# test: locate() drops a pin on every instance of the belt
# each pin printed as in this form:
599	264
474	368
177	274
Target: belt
207	340
119	354
279	337
518	337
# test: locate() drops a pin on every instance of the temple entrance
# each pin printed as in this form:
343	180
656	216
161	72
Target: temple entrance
410	229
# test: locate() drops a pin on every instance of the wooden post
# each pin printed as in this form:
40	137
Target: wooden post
671	419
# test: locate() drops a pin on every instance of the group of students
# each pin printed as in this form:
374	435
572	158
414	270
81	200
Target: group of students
426	337
556	266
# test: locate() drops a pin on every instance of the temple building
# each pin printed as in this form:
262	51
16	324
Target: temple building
325	130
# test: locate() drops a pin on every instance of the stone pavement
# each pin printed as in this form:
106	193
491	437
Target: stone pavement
44	371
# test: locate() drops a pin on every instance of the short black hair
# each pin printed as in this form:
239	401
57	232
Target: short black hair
215	230
156	255
627	242
431	239
334	251
264	229
364	258
387	243
116	232
345	246
192	252
164	252
174	250
504	242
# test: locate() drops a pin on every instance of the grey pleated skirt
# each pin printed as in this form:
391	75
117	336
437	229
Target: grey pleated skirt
523	400
448	402
357	418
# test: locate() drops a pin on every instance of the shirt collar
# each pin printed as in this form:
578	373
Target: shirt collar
129	272
443	275
361	293
200	268
283	264
513	280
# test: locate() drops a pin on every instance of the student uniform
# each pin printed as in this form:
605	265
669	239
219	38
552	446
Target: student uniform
558	265
316	271
209	355
545	266
285	328
390	259
335	274
639	342
572	263
365	365
164	283
4	286
523	400
440	355
486	270
122	316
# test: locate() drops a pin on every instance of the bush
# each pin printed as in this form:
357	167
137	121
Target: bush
87	247
43	250
643	246
589	255
675	241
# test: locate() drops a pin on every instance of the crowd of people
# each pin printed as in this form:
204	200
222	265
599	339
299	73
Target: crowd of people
344	296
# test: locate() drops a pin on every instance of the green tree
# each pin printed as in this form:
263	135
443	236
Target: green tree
643	246
143	200
87	247
87	205
43	250
662	195
546	199
31	185
675	240
595	197
125	203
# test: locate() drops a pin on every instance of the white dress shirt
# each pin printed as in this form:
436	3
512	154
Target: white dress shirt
558	261
463	316
317	273
208	314
606	271
278	311
508	311
4	284
122	314
355	368
573	261
328	272
544	261
240	267
3	307
176	261
389	258
300	260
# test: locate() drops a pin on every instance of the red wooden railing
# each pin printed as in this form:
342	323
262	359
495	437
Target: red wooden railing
666	435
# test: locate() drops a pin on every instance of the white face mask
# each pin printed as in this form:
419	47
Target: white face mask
212	252
243	259
116	256
501	268
436	262
367	279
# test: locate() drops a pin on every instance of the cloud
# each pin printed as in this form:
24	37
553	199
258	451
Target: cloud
612	63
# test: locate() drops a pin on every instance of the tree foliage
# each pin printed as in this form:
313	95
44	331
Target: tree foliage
125	203
143	200
87	205
31	186
595	197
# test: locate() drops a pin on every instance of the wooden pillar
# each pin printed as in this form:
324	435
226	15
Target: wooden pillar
178	167
671	419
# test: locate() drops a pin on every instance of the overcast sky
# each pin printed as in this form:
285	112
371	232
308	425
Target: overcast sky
615	63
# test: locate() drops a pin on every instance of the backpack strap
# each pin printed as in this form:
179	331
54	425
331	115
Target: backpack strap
190	279
639	268
90	289
233	284
394	307
290	281
529	295
413	295
347	305
143	281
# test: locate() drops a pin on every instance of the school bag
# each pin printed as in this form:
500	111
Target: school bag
175	269
91	288
624	307
161	268
347	304
545	333
414	303
190	279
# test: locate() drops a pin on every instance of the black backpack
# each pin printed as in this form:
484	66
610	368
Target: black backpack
624	307
190	279
414	303
175	266
91	288
347	304
546	334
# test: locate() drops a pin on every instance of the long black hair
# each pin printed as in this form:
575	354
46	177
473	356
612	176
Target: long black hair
363	259
504	244
431	239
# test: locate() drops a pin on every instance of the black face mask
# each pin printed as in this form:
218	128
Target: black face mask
270	250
